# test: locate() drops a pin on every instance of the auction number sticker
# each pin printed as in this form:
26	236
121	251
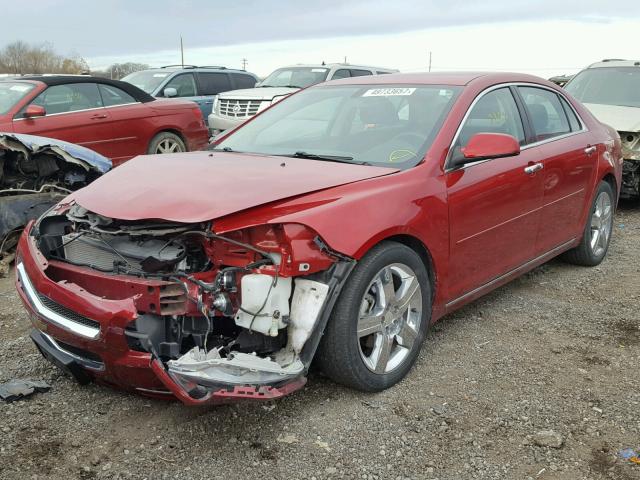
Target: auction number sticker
389	92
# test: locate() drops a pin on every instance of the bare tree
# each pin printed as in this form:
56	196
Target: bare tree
20	58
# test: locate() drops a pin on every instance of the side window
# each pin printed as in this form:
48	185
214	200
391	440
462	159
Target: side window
342	73
359	73
243	81
546	112
184	83
214	83
495	112
69	98
574	123
114	96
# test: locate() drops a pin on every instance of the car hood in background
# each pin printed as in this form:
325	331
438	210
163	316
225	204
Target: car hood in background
69	152
260	93
201	186
623	119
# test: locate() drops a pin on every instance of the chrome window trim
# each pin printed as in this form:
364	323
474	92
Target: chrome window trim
56	114
448	168
78	111
41	309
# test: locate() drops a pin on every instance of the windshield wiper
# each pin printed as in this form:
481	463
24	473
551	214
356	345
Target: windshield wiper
326	158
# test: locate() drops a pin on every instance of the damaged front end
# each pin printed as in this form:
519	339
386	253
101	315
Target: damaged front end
35	174
631	165
219	316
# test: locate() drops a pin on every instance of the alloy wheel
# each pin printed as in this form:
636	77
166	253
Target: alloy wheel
601	224
168	145
389	318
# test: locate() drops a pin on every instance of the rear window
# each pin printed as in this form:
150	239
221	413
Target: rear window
243	81
213	83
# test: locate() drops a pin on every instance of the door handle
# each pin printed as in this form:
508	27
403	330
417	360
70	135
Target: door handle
591	149
531	169
98	116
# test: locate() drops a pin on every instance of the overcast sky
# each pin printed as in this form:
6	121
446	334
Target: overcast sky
545	37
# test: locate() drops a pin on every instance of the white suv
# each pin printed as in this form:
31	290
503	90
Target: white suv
611	90
232	108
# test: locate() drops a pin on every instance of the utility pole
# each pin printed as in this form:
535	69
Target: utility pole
429	61
181	52
244	64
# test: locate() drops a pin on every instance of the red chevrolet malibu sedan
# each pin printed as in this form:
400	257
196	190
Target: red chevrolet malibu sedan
338	225
113	118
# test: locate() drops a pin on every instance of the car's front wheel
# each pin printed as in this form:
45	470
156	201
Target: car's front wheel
378	325
597	233
166	142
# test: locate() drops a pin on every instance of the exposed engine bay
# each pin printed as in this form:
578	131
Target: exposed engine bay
244	308
631	165
36	173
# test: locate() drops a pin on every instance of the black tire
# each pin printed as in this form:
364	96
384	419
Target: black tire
584	254
339	354
166	141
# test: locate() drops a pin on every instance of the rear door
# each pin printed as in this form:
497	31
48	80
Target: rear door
210	85
494	205
74	113
569	162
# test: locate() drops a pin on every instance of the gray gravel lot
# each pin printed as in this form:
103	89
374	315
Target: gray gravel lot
540	380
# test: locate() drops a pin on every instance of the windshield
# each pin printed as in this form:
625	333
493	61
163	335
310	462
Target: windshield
382	125
147	80
11	93
607	86
299	77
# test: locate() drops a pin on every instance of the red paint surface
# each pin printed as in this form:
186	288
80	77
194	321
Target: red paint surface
201	186
119	132
486	222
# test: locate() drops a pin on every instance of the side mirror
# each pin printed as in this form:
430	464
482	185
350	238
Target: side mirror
483	146
33	111
170	92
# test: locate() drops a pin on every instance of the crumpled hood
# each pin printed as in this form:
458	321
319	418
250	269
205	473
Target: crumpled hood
623	119
264	93
201	186
69	152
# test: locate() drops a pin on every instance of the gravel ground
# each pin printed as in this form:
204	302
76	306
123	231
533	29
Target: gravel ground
539	379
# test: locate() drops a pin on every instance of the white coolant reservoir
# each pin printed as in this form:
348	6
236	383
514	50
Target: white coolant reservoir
257	289
307	303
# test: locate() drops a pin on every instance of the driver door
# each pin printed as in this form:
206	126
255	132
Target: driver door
494	205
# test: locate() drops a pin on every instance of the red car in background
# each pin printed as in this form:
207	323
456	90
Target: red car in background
335	226
113	118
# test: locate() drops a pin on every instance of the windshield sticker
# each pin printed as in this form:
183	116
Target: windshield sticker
160	75
389	92
401	155
19	88
318	70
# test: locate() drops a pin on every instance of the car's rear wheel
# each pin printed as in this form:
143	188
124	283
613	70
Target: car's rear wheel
597	233
378	325
166	142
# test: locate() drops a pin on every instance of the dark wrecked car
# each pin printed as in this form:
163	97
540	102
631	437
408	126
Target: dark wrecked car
336	225
35	174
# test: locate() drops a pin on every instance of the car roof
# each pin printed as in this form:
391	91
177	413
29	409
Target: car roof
193	68
52	80
439	78
615	62
338	65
